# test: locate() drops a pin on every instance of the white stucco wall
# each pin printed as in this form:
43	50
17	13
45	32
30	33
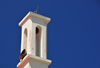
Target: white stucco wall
43	25
35	64
31	25
27	25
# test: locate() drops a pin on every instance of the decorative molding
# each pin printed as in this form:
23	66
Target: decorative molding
34	58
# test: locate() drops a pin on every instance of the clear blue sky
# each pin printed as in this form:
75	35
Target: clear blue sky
73	33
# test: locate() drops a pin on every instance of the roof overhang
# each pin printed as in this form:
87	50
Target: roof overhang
31	14
34	58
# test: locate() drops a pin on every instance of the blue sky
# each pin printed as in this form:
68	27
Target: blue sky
73	33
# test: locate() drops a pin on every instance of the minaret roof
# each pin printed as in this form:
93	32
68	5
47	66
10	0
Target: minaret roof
31	14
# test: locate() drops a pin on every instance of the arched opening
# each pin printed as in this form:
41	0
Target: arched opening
38	41
25	40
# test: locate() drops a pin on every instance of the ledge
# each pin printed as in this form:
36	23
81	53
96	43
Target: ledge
31	14
35	58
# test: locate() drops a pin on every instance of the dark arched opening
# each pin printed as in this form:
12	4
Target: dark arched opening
38	41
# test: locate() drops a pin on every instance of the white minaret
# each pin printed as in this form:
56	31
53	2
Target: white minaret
34	41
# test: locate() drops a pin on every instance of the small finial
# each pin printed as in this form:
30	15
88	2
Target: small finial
37	10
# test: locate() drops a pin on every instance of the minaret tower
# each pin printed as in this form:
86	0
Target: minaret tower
34	41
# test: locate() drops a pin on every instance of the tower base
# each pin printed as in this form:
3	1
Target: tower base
31	61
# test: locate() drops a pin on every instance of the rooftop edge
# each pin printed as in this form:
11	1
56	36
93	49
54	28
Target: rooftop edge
31	14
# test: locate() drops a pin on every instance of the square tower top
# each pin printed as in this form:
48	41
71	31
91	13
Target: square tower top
31	14
34	41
